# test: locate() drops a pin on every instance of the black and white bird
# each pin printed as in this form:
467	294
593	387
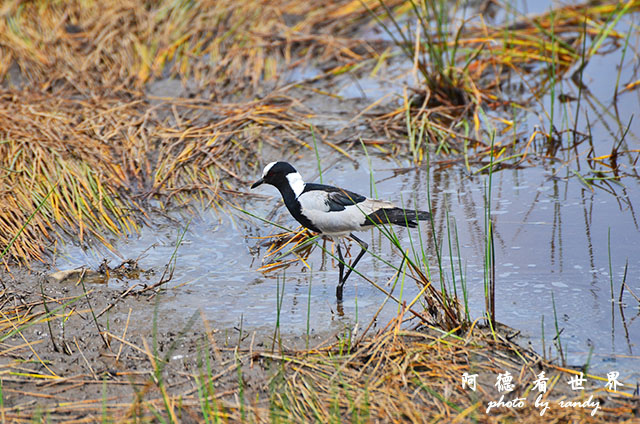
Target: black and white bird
334	212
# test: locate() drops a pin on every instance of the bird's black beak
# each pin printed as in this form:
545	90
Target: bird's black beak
257	183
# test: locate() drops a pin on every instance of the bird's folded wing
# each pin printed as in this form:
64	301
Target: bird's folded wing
336	199
339	200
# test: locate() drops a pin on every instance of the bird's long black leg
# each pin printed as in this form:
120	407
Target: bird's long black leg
364	246
341	269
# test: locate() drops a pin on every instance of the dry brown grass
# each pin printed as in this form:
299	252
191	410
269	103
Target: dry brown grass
228	44
85	146
69	148
83	128
101	157
415	376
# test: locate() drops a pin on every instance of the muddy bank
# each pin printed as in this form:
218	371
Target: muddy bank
139	360
76	359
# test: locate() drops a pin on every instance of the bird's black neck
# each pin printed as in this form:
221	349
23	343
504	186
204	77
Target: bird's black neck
288	195
292	204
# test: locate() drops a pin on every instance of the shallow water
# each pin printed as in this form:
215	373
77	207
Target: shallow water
216	272
551	240
551	236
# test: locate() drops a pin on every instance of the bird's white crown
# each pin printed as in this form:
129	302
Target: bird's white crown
266	169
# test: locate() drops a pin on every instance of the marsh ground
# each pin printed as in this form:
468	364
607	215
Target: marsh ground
132	132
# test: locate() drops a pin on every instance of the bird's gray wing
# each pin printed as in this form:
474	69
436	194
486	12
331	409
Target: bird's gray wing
337	199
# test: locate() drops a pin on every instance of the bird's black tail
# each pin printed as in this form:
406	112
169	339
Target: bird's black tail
397	216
